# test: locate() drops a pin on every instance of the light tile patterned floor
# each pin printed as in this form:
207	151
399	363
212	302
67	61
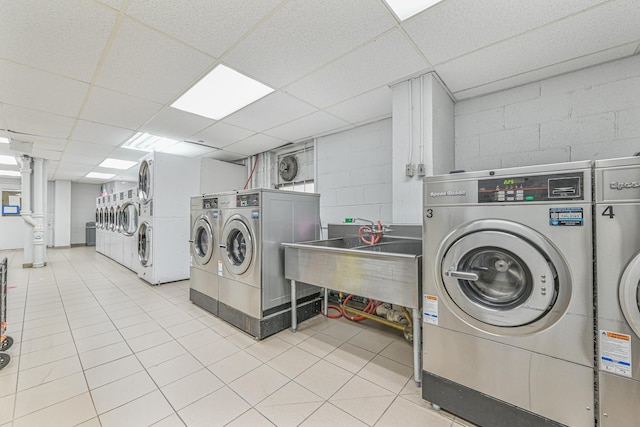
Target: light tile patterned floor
96	346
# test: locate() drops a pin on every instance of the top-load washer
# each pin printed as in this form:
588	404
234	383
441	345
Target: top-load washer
617	214
508	295
253	293
205	231
165	184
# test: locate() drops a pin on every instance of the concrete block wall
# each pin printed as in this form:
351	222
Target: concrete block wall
354	173
588	114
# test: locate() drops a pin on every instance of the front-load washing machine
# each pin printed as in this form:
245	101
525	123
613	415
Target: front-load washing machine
99	239
205	230
508	295
102	229
165	185
117	250
110	225
617	218
129	229
253	293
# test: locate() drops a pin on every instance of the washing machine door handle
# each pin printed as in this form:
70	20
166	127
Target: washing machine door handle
462	275
222	246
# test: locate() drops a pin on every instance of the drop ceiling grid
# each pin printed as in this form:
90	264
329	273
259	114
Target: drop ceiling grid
88	149
28	87
304	35
386	59
458	27
66	38
373	104
221	134
176	124
257	143
307	127
117	109
34	122
147	64
575	36
191	21
271	111
99	133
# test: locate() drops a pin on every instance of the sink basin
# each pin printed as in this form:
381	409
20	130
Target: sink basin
390	270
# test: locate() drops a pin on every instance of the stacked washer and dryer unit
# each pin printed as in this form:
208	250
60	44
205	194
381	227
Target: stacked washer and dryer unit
129	229
165	185
237	246
508	295
617	218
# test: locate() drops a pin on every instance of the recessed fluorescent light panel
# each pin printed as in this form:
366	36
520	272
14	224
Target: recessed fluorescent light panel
8	160
98	175
9	173
4	140
147	142
405	9
117	164
220	93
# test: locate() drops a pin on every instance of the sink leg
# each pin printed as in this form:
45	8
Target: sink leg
417	340
294	311
326	302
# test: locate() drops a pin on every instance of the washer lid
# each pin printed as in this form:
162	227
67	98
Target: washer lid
629	294
202	241
238	246
498	278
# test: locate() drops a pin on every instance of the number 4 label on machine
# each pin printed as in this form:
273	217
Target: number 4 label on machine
430	309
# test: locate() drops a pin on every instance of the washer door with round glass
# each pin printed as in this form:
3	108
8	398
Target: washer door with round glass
144	244
100	221
129	223
144	181
501	279
119	219
238	246
629	294
202	241
112	219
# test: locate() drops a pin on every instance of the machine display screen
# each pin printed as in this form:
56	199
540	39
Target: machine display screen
210	203
535	188
247	200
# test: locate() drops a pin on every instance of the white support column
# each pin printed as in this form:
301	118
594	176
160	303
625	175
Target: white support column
26	170
38	213
423	134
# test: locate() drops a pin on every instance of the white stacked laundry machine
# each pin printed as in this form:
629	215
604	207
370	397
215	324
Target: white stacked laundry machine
165	184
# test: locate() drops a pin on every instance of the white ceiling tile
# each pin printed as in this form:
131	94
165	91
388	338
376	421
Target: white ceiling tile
112	3
270	111
68	157
561	41
112	108
550	71
28	121
74	168
455	27
47	154
189	150
145	63
305	34
373	104
226	156
192	21
127	154
28	87
378	63
64	37
130	175
176	124
221	134
306	127
257	143
88	149
97	133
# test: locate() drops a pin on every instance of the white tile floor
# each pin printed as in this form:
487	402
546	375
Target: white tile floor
96	346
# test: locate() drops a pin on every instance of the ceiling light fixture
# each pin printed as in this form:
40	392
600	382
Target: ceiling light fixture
117	164
405	9
9	173
147	142
221	92
4	140
8	160
98	175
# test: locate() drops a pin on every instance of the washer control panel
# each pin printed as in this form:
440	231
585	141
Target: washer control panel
535	188
210	203
248	200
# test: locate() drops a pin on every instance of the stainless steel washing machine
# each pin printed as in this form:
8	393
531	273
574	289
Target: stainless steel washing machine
508	295
253	293
617	218
205	229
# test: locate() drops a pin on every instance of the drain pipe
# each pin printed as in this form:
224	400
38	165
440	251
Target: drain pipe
38	213
25	170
